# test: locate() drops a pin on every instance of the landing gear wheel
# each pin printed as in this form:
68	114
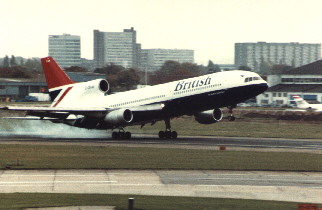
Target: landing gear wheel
168	134
161	134
115	135
174	134
127	135
121	134
231	118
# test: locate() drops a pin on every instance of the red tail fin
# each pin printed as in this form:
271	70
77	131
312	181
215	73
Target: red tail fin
55	76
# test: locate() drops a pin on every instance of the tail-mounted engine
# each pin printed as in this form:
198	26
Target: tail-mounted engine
94	86
209	117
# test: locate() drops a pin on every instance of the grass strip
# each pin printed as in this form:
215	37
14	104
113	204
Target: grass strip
35	200
239	128
184	126
105	157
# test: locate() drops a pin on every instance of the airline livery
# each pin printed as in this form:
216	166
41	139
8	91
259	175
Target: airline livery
304	105
87	104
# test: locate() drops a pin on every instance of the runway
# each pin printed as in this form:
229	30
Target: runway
278	186
286	186
246	143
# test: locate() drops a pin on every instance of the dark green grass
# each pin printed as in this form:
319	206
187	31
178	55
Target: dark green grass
188	126
240	128
99	157
29	200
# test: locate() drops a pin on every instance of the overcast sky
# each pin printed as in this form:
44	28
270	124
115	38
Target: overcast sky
209	27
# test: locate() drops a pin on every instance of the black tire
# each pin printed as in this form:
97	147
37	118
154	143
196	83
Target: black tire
127	135
174	134
231	118
161	134
168	134
115	135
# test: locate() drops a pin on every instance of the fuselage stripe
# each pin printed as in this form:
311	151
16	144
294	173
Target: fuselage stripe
62	97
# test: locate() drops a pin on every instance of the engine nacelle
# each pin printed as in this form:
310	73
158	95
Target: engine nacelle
209	117
94	86
119	117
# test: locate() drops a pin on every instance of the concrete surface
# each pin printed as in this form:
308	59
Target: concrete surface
278	186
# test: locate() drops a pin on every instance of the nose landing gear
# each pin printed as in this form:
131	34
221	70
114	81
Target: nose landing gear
231	117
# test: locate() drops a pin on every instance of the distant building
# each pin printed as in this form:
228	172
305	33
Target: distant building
292	54
84	76
227	67
65	49
119	48
305	81
153	59
15	88
12	88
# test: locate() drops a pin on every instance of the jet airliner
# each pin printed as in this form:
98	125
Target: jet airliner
87	104
304	105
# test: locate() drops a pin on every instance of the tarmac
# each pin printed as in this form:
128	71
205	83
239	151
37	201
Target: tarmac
258	185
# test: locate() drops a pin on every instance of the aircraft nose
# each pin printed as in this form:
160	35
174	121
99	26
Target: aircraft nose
263	87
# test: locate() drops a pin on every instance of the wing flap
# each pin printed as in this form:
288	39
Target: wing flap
54	109
58	112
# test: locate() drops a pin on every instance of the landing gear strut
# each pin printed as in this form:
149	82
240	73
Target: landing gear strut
231	117
168	134
121	134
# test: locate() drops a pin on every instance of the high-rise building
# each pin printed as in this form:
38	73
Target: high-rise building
119	48
153	59
293	54
65	49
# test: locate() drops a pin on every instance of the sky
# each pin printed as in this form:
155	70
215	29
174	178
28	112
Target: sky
209	27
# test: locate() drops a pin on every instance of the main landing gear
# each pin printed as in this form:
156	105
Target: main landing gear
121	134
231	117
168	134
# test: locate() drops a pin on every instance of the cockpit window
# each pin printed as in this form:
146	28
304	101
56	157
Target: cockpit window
249	79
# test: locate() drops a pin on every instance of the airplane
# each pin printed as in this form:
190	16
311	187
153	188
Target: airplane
304	105
87	104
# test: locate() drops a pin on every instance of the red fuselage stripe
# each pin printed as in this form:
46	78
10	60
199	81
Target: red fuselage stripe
64	94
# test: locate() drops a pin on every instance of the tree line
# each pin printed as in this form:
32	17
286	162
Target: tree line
19	68
121	78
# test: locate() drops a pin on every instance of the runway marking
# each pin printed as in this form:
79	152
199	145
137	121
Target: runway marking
55	182
67	175
247	179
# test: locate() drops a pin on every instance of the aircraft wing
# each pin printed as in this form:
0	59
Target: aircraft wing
56	112
48	113
52	109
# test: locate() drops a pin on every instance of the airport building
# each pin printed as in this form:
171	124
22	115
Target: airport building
12	89
17	88
65	49
293	54
305	81
119	48
153	59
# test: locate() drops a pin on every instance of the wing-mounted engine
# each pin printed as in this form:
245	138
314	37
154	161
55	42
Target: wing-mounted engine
119	117
209	117
94	86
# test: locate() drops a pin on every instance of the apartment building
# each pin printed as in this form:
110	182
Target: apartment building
153	59
119	48
293	54
65	49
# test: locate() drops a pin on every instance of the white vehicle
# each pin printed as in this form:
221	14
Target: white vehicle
304	105
87	104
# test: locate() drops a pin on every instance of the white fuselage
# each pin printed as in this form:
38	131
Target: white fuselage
216	83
